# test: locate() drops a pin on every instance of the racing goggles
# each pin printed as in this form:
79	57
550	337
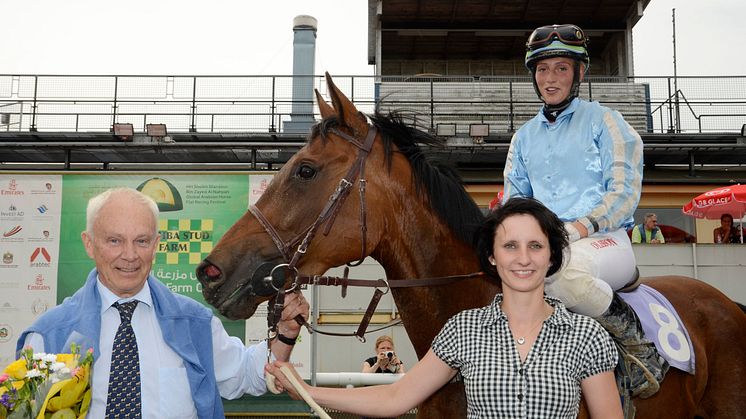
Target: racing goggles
567	34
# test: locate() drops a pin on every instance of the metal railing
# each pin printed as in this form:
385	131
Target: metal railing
262	104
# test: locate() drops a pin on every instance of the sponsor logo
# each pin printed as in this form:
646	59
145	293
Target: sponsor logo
43	237
40	251
7	258
7	307
12	189
717	192
39	306
35	261
713	201
600	244
13	231
46	190
12	212
38	284
6	333
42	208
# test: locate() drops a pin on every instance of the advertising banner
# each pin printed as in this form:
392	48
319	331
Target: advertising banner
30	208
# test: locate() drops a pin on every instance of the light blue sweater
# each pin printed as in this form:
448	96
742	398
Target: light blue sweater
184	322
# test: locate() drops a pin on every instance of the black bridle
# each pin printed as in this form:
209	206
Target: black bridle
278	276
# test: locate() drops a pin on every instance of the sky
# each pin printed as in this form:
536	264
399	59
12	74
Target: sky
243	37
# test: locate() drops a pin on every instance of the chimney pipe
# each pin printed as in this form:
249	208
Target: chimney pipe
304	49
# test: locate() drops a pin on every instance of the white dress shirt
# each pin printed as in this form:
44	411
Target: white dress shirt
163	378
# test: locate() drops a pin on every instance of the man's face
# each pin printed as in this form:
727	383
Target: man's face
651	223
554	78
123	245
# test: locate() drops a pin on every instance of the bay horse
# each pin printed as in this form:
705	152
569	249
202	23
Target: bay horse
416	220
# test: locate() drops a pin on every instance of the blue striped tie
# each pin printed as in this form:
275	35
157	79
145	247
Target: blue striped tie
123	399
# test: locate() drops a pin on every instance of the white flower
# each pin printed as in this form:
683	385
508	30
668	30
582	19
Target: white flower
39	356
49	358
56	366
33	373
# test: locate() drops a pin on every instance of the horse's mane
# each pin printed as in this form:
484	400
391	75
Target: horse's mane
439	185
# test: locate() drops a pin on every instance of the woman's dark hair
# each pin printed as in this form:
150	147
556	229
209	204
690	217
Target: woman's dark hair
549	223
722	217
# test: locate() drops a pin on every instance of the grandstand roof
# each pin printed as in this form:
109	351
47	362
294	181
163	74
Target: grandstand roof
487	29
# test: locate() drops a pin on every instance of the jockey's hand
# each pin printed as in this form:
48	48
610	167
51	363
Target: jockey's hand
295	305
575	231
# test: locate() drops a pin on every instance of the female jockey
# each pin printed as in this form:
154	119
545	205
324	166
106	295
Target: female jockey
584	162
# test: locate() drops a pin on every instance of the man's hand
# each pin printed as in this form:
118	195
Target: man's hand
295	304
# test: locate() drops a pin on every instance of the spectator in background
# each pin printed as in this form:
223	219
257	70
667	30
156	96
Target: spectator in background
386	360
648	232
727	233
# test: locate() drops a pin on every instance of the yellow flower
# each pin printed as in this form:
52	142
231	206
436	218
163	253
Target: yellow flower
17	370
68	359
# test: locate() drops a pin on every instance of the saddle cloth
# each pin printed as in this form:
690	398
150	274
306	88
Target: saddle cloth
662	326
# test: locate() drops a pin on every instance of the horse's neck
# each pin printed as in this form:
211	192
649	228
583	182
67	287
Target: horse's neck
432	251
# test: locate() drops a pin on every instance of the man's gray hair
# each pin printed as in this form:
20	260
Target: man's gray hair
650	215
97	202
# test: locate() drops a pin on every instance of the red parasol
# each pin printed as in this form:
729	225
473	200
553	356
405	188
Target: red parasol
714	203
496	201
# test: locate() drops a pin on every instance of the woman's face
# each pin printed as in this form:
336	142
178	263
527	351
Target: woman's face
554	77
384	346
726	222
521	253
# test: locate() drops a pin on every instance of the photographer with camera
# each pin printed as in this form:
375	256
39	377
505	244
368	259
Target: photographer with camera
385	360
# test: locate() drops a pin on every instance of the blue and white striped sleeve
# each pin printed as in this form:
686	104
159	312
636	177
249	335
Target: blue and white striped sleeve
621	160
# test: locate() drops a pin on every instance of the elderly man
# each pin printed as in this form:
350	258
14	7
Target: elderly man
648	232
157	354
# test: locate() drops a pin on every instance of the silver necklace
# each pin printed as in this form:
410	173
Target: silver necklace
522	340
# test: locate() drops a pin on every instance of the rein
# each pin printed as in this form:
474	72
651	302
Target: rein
303	280
327	216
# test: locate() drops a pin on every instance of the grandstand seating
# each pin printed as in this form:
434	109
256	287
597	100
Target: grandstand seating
504	105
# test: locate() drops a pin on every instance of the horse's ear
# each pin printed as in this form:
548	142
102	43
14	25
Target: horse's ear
324	108
346	111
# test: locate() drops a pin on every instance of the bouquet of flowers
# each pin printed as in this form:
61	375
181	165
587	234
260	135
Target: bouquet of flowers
47	386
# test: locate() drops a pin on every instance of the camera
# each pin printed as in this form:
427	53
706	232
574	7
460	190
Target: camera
390	355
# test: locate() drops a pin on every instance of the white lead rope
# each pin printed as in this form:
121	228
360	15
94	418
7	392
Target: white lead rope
270	379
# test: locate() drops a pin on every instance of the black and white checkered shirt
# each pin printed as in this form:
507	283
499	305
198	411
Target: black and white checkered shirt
570	347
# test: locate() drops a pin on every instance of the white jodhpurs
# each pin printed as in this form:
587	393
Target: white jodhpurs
596	266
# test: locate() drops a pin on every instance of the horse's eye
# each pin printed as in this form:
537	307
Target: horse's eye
306	172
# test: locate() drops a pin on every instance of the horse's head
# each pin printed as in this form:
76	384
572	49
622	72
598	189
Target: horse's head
315	201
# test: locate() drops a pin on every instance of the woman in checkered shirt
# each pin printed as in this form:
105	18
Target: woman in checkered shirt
523	356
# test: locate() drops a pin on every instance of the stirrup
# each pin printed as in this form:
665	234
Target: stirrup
654	385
